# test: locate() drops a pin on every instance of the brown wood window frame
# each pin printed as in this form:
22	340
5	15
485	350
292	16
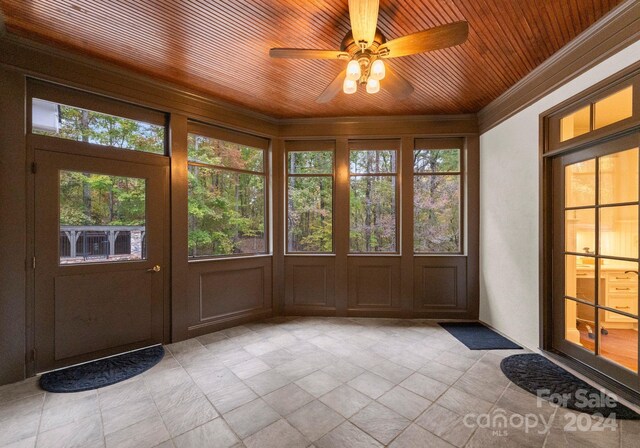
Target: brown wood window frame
263	144
378	145
552	118
444	144
309	146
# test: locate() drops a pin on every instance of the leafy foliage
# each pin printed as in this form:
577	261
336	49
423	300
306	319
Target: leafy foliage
310	201
226	208
310	214
221	153
372	202
436	201
102	129
88	199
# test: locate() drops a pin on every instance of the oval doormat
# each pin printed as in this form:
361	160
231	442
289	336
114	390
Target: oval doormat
539	376
103	372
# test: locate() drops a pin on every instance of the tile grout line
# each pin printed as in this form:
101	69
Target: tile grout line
44	397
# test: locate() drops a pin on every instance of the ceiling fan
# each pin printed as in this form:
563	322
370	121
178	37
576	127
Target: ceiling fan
365	47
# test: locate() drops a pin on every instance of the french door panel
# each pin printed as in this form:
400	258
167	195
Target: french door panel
99	250
595	257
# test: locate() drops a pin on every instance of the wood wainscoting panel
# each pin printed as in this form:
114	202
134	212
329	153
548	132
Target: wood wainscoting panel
223	291
440	284
310	282
231	291
84	323
374	283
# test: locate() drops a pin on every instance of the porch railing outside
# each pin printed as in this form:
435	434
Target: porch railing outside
80	244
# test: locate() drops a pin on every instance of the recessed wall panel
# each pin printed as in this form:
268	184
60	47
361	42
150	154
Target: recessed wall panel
374	282
440	284
309	282
231	291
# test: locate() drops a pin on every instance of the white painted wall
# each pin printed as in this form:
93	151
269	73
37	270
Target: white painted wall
509	212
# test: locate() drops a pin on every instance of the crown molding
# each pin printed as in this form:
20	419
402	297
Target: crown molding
64	67
377	119
42	61
612	33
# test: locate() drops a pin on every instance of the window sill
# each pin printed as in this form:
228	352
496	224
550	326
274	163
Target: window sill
227	258
294	254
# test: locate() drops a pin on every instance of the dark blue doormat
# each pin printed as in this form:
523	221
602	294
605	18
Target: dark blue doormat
478	337
539	376
103	372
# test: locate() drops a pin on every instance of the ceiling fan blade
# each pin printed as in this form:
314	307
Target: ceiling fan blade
332	89
432	39
364	20
303	53
396	85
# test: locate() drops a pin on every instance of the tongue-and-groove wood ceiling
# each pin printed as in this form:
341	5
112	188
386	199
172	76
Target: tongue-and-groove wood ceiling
220	47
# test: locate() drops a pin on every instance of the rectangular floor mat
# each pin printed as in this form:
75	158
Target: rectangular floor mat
478	337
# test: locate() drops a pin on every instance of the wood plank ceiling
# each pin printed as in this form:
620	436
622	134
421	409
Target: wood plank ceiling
220	47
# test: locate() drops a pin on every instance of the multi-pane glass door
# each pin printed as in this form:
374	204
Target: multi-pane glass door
596	209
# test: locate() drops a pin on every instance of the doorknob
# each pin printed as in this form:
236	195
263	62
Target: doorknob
156	268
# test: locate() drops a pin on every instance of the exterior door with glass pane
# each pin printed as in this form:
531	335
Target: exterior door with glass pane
99	251
595	259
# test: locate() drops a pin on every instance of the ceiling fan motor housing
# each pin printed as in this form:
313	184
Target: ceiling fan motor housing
350	46
364	56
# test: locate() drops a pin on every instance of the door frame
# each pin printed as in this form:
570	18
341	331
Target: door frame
550	147
559	343
70	147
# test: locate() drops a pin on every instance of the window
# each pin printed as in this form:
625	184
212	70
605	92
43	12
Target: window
373	196
611	109
102	218
310	199
227	196
83	125
437	198
576	124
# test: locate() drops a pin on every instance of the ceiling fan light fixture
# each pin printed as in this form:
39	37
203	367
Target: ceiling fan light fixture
378	70
353	70
373	85
349	86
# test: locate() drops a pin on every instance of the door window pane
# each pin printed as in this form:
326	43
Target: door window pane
102	218
580	230
619	339
614	108
580	184
619	231
226	212
619	177
310	214
213	151
580	326
436	160
74	123
619	285
575	124
373	214
436	213
580	278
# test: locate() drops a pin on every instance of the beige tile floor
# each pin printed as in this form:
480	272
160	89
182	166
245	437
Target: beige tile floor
301	382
